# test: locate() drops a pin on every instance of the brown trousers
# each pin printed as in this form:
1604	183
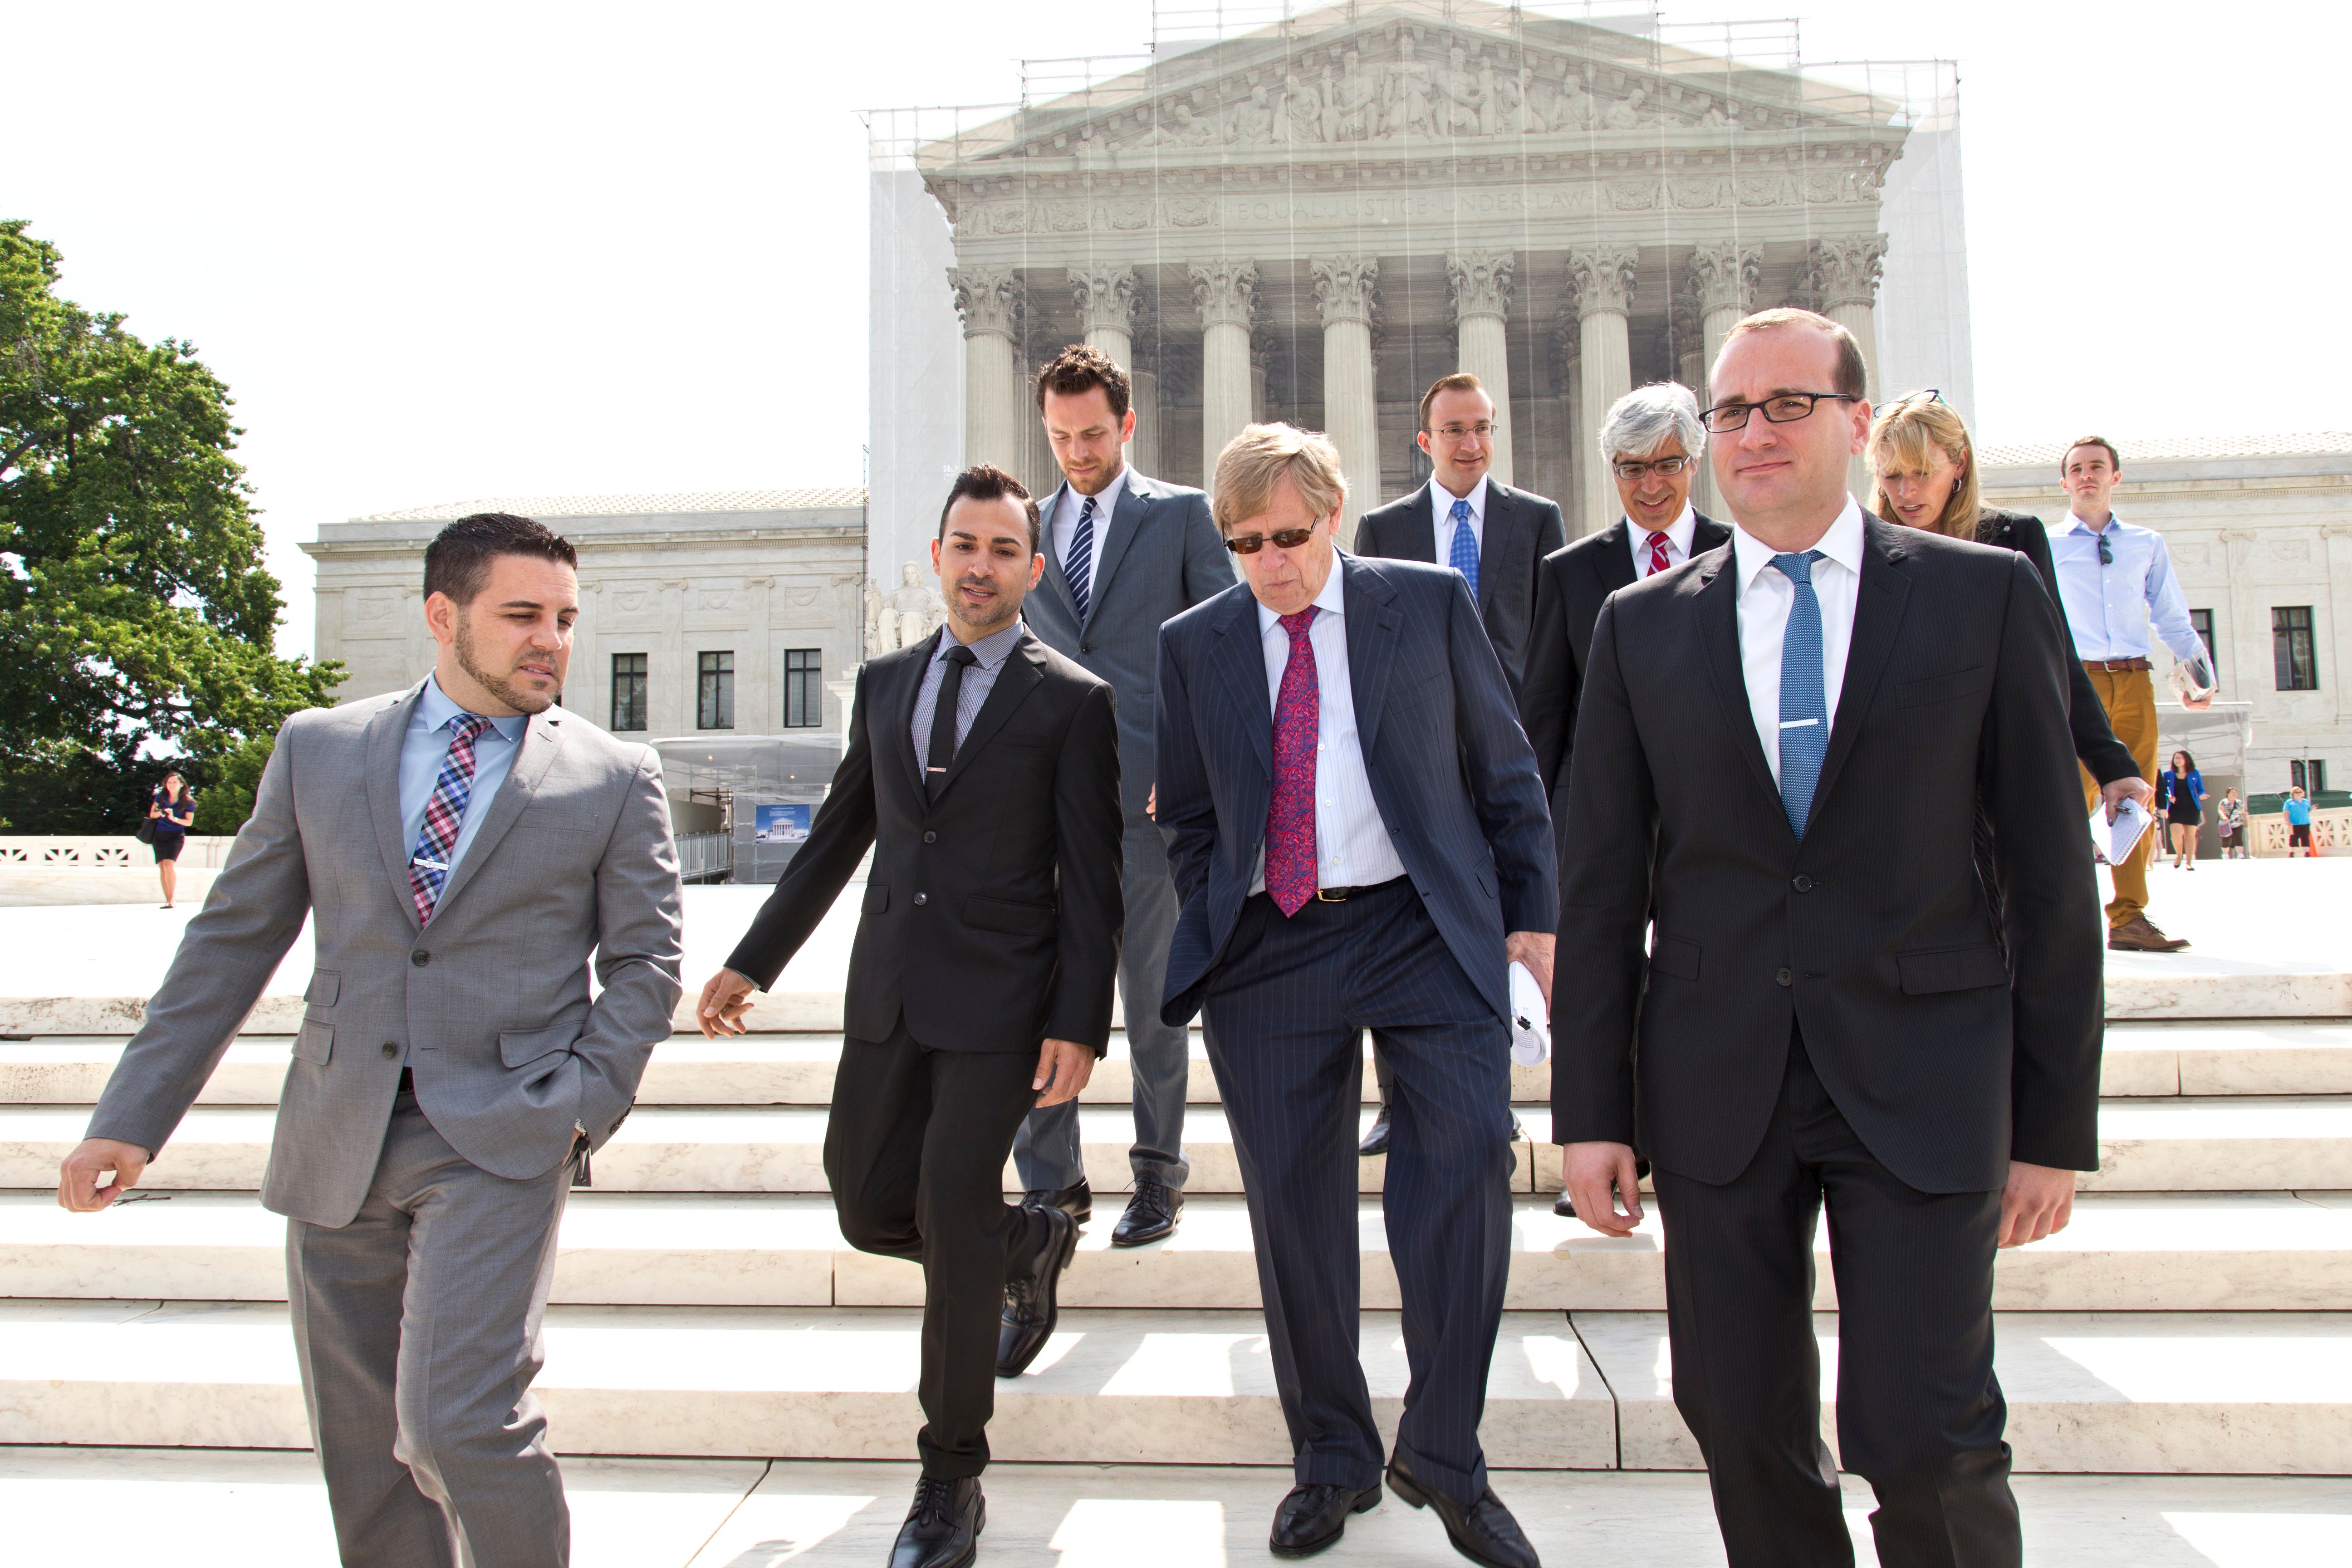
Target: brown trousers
2129	697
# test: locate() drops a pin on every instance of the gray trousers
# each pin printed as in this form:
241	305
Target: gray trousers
417	1327
1046	1152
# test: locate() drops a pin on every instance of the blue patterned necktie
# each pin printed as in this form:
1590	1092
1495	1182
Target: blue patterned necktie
444	816
1463	554
1079	566
1804	707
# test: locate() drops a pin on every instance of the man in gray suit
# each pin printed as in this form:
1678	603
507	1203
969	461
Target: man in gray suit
462	848
1123	554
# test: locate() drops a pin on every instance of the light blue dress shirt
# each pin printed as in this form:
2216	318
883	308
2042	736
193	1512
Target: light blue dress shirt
426	745
2112	608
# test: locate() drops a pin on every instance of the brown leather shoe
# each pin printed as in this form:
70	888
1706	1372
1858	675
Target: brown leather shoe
2135	935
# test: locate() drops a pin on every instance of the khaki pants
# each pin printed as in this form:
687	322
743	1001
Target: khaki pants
2129	697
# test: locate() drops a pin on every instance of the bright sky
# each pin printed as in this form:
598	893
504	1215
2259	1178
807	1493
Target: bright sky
442	252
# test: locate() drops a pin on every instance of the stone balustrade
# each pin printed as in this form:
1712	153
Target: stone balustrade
2331	831
99	852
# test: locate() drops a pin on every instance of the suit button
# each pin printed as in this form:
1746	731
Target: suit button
930	838
391	1049
420	958
1086	648
1785	978
922	898
1802	884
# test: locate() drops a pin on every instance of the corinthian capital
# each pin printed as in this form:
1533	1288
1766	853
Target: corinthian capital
1226	291
1481	285
1602	278
989	299
1106	297
1344	288
1725	277
1844	269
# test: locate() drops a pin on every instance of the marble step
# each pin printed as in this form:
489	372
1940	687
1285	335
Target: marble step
2143	1059
2248	1144
2124	1252
712	1382
2266	1392
2186	1393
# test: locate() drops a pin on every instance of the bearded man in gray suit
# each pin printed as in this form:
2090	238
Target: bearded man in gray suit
462	847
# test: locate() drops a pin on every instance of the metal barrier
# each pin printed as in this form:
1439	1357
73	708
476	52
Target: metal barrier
705	857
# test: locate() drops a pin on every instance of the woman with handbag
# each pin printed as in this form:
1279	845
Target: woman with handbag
171	812
2181	800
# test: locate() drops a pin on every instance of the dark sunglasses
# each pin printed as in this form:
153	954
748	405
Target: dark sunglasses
2106	551
1284	538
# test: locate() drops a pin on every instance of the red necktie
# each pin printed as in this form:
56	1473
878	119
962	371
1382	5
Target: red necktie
1658	562
1290	815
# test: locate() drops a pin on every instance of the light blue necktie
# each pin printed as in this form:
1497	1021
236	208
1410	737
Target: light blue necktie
1080	564
1804	707
1463	554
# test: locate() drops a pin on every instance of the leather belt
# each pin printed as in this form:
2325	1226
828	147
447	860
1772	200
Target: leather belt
1341	895
2116	666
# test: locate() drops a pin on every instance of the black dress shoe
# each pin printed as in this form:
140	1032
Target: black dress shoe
943	1530
1483	1531
1030	1307
1078	1202
1311	1518
1151	1214
1562	1207
1376	1142
1518	1128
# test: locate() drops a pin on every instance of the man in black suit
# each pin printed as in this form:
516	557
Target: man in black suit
1652	442
1494	535
1123	554
1359	841
982	770
1784	746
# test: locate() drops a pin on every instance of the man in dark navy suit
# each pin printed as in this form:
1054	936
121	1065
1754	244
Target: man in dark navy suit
1359	841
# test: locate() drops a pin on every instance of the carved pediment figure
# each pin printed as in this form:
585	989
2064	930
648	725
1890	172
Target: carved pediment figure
1405	106
1348	101
1625	114
1251	119
1458	86
1302	111
1562	105
1180	127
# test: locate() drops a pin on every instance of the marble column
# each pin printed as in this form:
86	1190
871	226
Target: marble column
989	300
1601	277
1226	292
1481	288
1344	296
1106	297
1261	367
1143	451
1842	273
1723	280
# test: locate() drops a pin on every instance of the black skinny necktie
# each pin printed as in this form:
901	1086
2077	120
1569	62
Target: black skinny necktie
943	720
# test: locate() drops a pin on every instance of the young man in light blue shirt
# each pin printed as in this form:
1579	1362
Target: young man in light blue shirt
2115	582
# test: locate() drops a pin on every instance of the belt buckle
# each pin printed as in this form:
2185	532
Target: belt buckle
1323	896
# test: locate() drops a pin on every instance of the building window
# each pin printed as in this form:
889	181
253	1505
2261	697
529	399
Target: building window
2291	650
2308	774
628	691
2203	620
804	697
714	696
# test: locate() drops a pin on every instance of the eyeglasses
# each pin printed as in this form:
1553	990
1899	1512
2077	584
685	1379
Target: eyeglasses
1282	538
1483	430
1784	408
1632	473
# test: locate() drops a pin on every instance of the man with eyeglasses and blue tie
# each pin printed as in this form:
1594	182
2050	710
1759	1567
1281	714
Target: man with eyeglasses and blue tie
2116	581
1791	989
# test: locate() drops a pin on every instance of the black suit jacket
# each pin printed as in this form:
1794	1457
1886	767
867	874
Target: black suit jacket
1570	584
1449	770
1876	934
2095	745
991	915
1519	531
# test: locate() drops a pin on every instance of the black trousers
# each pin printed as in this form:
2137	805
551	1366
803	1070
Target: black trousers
1919	1412
915	1151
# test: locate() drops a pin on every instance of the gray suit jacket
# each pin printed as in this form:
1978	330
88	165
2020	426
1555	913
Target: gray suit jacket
491	1000
1160	557
1521	529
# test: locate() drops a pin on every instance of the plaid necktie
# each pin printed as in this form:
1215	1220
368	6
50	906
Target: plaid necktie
1290	811
445	814
1079	567
1462	554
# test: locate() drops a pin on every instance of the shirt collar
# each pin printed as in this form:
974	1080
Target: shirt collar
1331	601
1105	504
1842	543
436	707
989	651
1441	500
2069	524
1680	530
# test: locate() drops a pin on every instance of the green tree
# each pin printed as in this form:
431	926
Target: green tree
134	610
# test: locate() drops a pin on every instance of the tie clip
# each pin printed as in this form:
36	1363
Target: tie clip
1796	723
429	865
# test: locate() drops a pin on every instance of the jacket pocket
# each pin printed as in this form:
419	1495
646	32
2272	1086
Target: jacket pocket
1943	688
1016	919
877	898
316	1043
1951	969
518	1046
324	987
1673	955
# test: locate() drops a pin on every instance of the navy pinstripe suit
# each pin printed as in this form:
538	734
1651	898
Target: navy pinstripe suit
1419	960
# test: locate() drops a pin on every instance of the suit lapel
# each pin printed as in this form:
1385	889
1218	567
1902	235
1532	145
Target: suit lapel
1496	545
899	712
1240	663
1110	548
1057	583
1614	566
384	736
1420	539
1707	534
1877	619
541	739
1372	623
1022	672
1717	604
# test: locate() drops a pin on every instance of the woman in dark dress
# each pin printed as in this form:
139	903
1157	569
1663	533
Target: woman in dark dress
2180	797
171	812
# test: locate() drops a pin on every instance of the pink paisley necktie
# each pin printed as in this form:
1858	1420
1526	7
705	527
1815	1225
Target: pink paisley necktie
1290	818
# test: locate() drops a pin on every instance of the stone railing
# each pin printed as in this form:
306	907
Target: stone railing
2331	831
109	852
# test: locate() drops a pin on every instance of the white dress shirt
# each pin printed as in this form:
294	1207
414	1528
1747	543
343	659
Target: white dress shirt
1678	541
1766	597
1066	525
2113	608
1351	843
1440	507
